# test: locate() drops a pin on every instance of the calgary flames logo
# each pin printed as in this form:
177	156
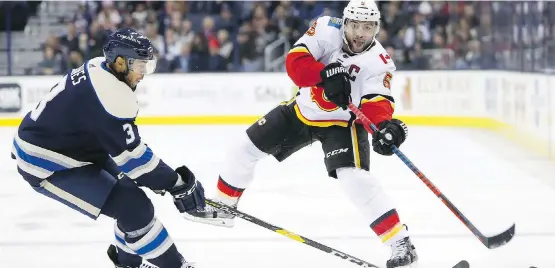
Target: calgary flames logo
312	29
317	95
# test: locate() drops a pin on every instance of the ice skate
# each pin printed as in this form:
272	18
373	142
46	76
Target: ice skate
403	254
113	255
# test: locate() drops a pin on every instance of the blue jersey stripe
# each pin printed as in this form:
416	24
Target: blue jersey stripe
137	162
37	161
154	244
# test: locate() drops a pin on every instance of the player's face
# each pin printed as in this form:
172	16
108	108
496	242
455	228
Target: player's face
133	79
359	34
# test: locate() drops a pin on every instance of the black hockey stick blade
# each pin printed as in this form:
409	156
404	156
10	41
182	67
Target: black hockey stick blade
462	264
500	239
289	234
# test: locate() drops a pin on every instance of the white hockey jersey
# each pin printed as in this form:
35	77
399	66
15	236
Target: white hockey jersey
371	73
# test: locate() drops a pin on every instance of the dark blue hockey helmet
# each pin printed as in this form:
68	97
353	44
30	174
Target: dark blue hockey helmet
134	47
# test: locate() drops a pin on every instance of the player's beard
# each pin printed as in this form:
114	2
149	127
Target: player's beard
359	45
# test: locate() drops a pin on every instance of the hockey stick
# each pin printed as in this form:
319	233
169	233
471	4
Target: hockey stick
288	234
489	242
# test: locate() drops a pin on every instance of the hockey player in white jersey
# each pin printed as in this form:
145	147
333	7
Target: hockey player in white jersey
81	147
336	61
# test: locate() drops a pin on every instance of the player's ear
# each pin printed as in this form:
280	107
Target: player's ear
120	65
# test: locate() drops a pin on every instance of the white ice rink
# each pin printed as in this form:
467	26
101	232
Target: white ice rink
491	181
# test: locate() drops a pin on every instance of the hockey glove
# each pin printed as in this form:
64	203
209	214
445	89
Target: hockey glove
392	132
188	197
336	83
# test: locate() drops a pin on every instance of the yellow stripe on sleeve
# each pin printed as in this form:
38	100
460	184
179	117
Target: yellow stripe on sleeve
299	50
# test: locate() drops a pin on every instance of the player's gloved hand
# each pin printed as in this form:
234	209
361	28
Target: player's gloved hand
336	83
392	132
188	197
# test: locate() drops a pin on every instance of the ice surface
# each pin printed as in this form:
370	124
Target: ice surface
491	181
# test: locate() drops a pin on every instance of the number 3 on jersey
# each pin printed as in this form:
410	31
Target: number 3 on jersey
130	134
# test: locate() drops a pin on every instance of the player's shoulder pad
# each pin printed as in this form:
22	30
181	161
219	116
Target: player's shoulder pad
327	24
116	97
326	29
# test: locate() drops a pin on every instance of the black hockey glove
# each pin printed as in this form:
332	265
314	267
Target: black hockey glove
188	197
336	83
392	132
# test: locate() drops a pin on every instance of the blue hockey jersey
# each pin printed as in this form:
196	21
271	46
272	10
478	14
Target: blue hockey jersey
87	117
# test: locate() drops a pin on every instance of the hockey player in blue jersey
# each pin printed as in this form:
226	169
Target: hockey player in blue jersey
81	147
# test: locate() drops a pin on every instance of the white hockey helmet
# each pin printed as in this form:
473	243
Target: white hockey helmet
361	11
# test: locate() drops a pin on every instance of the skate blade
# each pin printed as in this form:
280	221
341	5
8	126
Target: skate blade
229	223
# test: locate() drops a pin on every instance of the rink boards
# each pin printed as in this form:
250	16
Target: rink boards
520	106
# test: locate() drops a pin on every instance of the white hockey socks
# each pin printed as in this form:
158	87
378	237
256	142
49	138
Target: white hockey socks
366	193
238	170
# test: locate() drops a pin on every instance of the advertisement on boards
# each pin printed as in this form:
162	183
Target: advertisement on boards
441	94
215	94
10	98
18	95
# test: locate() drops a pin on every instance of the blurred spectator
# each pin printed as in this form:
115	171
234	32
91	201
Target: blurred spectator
81	19
173	44
460	62
227	20
226	47
473	57
176	21
54	43
187	34
288	25
311	9
129	22
391	19
109	17
418	26
97	38
140	15
70	41
182	63
417	60
162	65
250	59
215	62
438	41
151	32
50	64
383	38
199	45
208	27
75	60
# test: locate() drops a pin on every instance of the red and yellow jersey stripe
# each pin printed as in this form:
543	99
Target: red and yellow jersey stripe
319	123
377	108
302	67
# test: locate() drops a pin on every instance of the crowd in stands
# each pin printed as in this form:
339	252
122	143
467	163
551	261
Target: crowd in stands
221	36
